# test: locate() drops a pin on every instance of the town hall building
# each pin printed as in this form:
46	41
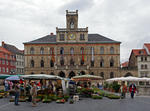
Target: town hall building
73	51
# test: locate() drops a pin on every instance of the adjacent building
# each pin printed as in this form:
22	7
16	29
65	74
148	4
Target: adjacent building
7	62
73	51
19	55
140	60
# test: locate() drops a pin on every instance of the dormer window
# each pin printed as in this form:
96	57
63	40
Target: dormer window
62	37
82	37
141	52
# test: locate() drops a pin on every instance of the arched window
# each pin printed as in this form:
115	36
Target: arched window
82	73
31	50
111	75
32	72
71	50
42	72
71	74
62	74
32	63
51	63
101	63
102	50
51	51
92	73
112	50
111	63
42	50
61	50
42	63
102	74
52	73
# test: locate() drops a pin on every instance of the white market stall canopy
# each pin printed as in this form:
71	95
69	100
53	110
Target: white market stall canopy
41	76
87	77
129	78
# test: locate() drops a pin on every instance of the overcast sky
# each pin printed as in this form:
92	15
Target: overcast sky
127	21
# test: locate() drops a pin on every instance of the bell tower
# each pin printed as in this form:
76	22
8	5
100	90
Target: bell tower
72	20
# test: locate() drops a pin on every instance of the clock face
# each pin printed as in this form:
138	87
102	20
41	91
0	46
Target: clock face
72	36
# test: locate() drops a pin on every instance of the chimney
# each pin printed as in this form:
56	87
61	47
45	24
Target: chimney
3	43
51	33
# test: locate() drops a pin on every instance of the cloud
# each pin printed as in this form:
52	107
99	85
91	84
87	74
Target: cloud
81	5
122	20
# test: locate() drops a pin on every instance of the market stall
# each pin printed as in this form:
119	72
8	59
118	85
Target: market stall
143	84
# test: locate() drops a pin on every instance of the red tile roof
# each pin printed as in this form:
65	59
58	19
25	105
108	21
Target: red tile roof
125	64
4	50
148	46
138	52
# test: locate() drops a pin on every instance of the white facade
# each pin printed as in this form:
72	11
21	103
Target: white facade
143	66
143	62
19	64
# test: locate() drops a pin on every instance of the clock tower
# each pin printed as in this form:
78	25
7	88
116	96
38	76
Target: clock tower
72	33
72	20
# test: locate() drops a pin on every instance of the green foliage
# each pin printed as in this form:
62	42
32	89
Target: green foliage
2	91
46	100
110	86
112	96
85	91
71	101
97	97
66	97
1	96
99	91
116	86
106	85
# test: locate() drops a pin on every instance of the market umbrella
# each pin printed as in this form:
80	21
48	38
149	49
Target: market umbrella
13	78
129	78
41	76
86	77
4	76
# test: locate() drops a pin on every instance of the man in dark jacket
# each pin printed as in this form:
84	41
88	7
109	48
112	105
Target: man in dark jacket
132	89
17	89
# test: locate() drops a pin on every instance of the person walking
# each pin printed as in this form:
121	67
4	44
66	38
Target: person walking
33	93
17	89
6	85
132	89
123	90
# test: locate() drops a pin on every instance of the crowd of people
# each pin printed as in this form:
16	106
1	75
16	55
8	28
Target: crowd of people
22	88
30	88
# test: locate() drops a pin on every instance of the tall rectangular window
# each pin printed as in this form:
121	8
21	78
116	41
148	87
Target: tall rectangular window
82	37
3	61
62	37
3	69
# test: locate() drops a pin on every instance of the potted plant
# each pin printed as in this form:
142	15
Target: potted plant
71	101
